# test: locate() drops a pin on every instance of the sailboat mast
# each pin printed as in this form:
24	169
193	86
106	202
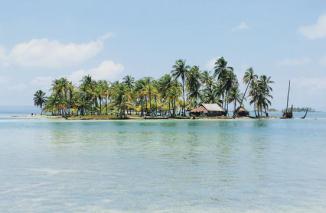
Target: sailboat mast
287	101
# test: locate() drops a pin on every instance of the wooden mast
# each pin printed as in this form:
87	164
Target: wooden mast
288	113
287	101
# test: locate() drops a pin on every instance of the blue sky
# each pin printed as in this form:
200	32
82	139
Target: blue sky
42	40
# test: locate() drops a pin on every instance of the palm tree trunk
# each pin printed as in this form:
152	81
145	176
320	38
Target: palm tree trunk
100	99
142	107
244	94
150	102
184	98
106	105
235	106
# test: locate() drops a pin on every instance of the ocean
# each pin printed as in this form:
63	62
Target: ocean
163	166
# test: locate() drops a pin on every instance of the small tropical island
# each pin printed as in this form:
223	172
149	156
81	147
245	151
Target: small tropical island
187	92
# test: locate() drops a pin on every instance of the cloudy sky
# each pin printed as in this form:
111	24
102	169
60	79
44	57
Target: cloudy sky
42	40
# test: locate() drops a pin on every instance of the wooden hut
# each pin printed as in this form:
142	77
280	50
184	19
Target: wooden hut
241	112
208	110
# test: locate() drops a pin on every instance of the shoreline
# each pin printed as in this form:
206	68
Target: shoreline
136	118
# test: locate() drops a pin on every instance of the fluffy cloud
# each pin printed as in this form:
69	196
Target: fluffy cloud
315	31
242	26
45	53
294	62
107	70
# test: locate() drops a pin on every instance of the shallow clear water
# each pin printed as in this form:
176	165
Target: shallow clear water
163	166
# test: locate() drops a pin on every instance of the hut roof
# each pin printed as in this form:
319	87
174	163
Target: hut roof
213	107
241	109
199	110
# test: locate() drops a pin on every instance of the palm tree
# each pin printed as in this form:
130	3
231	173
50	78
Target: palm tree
228	82
148	89
164	85
220	68
248	77
62	91
235	97
101	88
211	91
266	89
87	87
173	94
180	70
140	95
39	99
193	85
225	76
260	93
129	81
121	99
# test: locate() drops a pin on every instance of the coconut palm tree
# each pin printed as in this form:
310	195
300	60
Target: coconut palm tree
148	89
164	85
260	93
220	68
140	94
235	97
173	93
101	88
39	99
265	83
62	91
87	88
121	98
225	76
129	81
248	77
211	90
228	82
180	70
193	85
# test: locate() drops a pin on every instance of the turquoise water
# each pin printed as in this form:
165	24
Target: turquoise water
163	166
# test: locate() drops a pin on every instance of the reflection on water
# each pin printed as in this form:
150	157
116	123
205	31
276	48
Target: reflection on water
146	166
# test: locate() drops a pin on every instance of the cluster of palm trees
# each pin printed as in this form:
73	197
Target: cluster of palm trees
171	95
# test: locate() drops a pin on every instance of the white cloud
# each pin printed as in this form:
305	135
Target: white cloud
294	61
242	26
107	70
315	31
45	53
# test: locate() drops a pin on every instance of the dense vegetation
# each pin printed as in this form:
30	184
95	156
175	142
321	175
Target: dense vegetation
171	95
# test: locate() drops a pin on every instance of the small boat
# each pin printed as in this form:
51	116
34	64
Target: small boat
288	113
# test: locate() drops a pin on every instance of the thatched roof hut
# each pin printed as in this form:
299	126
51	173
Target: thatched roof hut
199	109
208	110
242	112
